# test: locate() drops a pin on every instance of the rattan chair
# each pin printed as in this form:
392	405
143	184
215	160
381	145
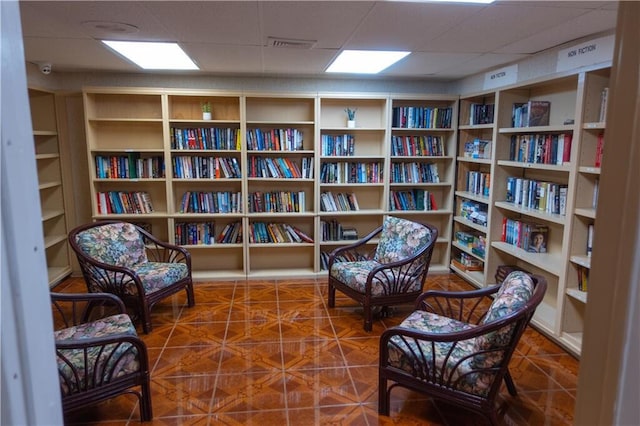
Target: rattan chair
456	346
394	274
123	259
98	353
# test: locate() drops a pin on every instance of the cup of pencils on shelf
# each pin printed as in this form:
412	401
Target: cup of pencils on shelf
351	117
206	110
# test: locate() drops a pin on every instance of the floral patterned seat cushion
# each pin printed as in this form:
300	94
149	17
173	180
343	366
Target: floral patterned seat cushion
157	275
399	239
118	244
514	293
451	367
354	274
111	360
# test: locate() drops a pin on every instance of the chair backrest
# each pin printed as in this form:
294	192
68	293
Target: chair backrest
117	244
514	294
400	239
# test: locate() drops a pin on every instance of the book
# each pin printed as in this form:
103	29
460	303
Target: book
599	149
589	239
538	113
537	238
604	100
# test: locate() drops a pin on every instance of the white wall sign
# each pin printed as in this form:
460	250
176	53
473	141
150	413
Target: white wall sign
501	77
586	53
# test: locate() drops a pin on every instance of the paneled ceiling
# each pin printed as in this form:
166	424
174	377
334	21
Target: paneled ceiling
301	38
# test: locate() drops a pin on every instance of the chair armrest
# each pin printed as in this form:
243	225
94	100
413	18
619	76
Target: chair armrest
352	248
76	308
466	306
162	251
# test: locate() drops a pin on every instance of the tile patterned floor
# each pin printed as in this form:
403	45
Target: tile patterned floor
272	353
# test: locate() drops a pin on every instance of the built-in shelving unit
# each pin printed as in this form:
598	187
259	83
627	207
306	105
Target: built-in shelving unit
272	182
541	179
50	166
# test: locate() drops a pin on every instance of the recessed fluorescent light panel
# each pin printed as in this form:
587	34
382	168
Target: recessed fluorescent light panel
365	61
153	56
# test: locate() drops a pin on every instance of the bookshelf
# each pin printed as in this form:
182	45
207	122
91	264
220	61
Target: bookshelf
539	176
422	165
247	190
280	130
473	187
50	163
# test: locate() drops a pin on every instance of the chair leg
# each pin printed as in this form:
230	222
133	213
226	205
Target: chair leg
190	296
368	317
332	296
511	387
146	410
383	397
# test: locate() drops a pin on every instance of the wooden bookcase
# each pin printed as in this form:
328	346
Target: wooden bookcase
51	180
559	194
255	178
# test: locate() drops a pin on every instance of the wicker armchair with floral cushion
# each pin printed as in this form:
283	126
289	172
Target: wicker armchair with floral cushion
456	346
98	353
123	259
394	274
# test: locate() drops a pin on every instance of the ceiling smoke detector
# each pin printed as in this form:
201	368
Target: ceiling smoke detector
290	43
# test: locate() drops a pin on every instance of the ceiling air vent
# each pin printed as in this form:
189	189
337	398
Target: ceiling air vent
290	43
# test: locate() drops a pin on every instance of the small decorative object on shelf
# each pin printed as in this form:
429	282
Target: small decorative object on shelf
206	110
351	117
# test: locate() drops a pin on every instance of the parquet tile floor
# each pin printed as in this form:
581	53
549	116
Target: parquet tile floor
271	353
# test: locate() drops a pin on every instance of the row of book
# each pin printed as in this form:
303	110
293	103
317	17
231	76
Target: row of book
275	139
337	145
231	233
531	113
478	183
417	146
414	173
421	117
477	148
277	202
211	202
474	211
260	232
475	241
122	202
528	236
197	167
194	233
130	166
583	277
466	262
340	202
332	230
548	197
351	172
283	168
205	138
542	148
412	199
481	113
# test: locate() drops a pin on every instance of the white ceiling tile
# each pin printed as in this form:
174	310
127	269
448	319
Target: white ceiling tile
581	26
406	26
499	25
